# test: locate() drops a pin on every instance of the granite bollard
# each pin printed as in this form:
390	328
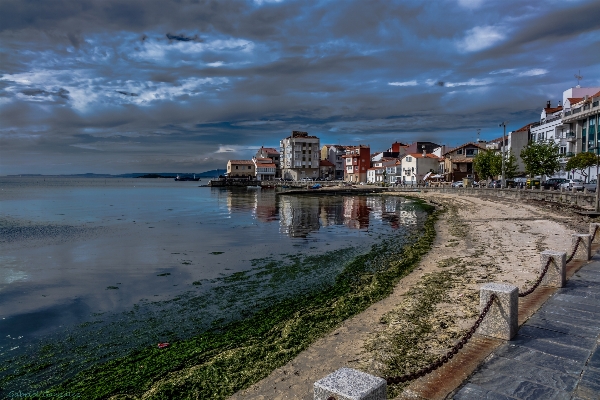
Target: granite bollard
350	384
557	270
593	227
502	320
584	251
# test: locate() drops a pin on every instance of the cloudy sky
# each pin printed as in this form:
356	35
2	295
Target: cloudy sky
181	86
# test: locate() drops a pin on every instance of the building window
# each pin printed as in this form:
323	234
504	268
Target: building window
249	167
236	167
408	159
471	152
459	151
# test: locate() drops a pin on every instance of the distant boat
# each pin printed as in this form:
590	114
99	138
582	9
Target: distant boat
186	178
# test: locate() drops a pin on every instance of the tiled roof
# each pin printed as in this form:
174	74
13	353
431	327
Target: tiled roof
526	127
553	109
326	163
269	150
260	159
420	155
376	168
241	162
574	100
465	145
261	165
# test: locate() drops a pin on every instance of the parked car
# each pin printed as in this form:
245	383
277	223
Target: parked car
457	184
572	184
520	182
495	184
591	185
553	183
306	180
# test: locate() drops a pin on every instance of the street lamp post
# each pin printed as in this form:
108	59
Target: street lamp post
503	124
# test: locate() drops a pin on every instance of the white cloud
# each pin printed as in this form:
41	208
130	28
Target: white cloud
470	82
480	37
534	72
215	64
503	71
406	83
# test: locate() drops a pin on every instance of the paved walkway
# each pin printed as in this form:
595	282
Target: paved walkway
555	355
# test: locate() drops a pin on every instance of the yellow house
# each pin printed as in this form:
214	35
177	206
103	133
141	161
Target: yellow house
241	169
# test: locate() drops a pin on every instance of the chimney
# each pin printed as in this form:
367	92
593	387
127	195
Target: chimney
424	152
559	103
548	104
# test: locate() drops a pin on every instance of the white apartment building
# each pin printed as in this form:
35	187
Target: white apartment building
299	156
265	169
416	166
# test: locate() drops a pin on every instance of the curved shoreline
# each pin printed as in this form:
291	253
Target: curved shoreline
233	355
479	230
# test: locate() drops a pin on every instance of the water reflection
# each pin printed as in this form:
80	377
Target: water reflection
299	215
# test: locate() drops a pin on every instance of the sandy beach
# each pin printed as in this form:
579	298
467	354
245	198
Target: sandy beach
478	241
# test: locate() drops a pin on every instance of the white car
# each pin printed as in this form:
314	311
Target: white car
572	184
457	184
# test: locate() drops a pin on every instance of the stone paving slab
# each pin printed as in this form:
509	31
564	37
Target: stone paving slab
556	353
557	337
471	391
533	373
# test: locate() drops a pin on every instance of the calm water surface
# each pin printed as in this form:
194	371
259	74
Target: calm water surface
154	260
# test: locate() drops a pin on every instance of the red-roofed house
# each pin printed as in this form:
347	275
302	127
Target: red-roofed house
357	161
273	154
265	169
458	162
241	169
416	165
326	170
334	153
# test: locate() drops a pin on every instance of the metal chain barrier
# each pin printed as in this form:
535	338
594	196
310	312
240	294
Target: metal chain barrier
537	283
594	235
574	250
449	355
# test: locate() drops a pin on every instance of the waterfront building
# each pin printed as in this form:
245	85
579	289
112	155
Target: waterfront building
333	153
394	172
265	169
273	154
582	115
326	170
241	169
458	162
357	162
299	156
378	172
375	175
418	147
415	166
514	142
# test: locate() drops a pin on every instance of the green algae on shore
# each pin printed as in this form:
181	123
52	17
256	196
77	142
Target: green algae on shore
229	358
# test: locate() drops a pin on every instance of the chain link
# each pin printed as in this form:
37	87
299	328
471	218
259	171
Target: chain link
594	235
574	250
454	350
537	283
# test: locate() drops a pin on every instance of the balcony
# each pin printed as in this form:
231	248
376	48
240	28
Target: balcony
571	137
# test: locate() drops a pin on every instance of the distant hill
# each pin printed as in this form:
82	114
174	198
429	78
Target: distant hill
206	174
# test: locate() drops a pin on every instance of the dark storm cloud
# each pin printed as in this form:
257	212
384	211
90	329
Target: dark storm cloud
100	78
126	93
183	38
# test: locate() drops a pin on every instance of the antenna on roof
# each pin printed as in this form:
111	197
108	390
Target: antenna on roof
578	77
478	132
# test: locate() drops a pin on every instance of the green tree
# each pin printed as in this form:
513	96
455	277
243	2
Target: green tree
582	161
486	164
510	165
540	158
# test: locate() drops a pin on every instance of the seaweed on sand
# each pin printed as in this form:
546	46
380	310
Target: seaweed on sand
229	358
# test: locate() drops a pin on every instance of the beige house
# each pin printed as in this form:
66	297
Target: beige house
458	162
300	156
241	169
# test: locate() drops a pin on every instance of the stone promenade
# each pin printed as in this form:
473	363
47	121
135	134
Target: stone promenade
556	353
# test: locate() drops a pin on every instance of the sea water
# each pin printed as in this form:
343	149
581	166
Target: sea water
109	265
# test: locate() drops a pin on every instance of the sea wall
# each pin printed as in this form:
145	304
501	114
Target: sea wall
584	200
